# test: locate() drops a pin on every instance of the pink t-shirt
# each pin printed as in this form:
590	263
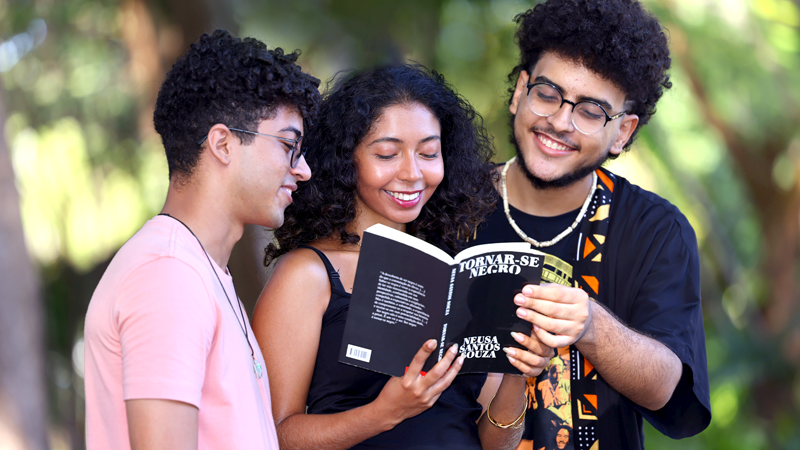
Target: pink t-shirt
159	327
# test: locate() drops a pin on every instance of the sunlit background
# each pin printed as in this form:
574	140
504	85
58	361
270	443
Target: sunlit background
79	78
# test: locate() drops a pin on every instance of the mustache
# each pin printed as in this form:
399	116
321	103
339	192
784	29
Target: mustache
560	136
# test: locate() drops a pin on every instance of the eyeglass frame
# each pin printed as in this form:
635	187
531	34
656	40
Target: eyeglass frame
292	151
574	104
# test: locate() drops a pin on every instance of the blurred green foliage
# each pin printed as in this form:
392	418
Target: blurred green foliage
724	147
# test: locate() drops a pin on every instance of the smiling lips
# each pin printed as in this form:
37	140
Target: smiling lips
551	144
288	190
405	199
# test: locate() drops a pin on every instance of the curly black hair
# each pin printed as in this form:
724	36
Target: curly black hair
616	39
326	204
232	81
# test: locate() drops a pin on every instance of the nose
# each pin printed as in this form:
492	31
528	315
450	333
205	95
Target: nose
409	168
562	119
301	171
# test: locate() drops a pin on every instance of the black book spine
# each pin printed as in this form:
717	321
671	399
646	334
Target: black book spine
447	312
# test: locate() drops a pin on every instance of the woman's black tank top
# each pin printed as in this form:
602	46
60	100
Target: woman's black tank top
335	387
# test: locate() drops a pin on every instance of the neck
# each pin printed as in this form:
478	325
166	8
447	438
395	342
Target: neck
524	196
366	218
208	218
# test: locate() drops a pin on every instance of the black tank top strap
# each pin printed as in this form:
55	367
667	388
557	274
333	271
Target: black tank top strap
333	275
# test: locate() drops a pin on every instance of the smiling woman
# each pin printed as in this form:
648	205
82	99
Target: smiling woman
394	146
399	164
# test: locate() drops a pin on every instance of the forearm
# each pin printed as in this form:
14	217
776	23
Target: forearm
332	431
637	366
506	407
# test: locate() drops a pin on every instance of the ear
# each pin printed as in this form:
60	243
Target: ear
519	91
626	128
220	141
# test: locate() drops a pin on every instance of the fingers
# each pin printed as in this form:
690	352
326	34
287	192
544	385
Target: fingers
419	359
553	340
529	364
562	312
533	361
449	374
551	291
533	344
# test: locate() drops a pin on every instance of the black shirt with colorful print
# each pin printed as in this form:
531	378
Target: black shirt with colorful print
635	253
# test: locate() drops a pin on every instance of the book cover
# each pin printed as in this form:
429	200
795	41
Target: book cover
407	291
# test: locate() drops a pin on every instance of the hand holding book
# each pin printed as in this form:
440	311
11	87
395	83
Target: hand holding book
414	392
560	315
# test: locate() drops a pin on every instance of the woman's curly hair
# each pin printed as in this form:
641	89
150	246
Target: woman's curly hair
326	204
616	39
232	81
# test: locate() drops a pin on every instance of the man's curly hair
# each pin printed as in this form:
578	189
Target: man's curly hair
616	39
325	205
232	81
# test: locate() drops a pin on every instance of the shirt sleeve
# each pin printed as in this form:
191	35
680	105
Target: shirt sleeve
166	323
665	288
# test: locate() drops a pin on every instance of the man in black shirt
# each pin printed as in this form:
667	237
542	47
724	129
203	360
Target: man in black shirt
623	300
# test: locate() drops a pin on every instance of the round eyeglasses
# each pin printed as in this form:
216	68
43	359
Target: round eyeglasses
294	151
544	99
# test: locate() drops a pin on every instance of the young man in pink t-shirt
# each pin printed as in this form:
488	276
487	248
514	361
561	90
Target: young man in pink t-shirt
171	361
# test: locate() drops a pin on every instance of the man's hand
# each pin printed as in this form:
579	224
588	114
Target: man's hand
560	315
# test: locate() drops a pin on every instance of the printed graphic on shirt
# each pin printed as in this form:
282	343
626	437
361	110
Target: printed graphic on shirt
562	400
550	411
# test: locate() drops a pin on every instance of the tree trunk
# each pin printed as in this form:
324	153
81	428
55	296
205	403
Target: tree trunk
23	407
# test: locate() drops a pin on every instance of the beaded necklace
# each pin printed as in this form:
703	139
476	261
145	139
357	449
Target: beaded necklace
525	237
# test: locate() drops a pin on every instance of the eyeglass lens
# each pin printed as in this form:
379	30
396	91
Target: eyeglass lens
545	100
296	152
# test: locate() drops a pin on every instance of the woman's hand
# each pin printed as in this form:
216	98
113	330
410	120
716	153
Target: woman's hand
531	362
414	392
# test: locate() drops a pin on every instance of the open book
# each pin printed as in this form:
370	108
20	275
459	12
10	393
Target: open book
407	291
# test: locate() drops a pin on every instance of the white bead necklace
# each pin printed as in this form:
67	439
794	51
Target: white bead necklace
525	237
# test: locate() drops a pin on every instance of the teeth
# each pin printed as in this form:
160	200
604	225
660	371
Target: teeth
404	197
552	144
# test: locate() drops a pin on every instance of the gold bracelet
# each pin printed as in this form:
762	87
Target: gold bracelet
515	425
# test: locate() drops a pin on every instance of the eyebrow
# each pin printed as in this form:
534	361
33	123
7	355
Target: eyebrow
581	98
400	141
291	129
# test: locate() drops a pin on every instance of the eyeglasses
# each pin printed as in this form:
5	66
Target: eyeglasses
588	117
294	152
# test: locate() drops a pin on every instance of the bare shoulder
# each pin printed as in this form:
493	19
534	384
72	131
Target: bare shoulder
299	280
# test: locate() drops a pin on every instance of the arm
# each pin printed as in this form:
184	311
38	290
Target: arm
166	326
161	424
287	323
637	366
508	399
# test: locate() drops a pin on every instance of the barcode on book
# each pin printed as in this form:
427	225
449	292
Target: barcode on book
359	353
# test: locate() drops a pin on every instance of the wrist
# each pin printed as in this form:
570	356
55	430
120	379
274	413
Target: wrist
588	336
381	415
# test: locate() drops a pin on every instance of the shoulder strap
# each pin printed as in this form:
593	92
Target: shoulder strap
333	275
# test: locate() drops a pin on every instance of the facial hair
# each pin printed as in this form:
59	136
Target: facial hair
568	179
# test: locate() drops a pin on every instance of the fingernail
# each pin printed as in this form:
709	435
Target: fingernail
527	290
536	327
511	359
454	349
517	336
509	351
519	300
431	344
460	360
521	312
